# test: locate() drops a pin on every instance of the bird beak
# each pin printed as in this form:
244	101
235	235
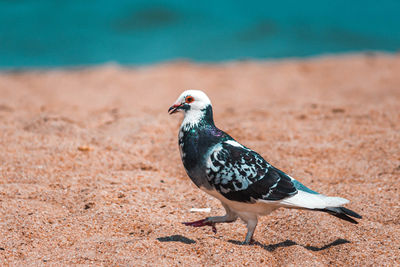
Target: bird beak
174	108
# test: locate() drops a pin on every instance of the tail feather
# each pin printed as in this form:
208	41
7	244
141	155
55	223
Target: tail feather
318	202
312	201
342	213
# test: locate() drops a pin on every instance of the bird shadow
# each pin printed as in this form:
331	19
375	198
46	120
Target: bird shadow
289	243
176	238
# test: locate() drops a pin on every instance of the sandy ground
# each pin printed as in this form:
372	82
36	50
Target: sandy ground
91	174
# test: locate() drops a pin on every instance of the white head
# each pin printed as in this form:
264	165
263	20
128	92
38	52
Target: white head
194	104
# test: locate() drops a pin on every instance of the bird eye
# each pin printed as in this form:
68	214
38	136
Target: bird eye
189	99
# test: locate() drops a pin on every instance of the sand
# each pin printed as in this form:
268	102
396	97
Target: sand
91	173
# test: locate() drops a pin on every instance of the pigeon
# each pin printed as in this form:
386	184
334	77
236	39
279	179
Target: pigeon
243	181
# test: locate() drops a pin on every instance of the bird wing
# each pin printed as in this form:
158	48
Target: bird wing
240	174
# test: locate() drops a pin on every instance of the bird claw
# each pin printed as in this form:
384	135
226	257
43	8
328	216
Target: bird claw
201	223
249	243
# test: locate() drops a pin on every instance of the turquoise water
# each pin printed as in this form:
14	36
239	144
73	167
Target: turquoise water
40	33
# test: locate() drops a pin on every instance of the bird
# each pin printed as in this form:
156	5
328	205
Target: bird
243	181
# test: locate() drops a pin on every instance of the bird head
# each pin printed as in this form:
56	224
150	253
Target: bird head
196	106
190	101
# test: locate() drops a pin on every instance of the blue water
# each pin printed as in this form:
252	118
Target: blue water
40	33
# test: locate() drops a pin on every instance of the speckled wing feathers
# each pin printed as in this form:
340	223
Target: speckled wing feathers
241	174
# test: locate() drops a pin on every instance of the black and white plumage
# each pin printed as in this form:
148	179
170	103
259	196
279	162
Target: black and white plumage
246	184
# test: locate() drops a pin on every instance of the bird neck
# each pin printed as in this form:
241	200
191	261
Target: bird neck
197	118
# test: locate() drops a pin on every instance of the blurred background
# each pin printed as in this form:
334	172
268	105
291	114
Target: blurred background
48	33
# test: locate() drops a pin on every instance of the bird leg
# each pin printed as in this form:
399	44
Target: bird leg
251	226
201	223
211	221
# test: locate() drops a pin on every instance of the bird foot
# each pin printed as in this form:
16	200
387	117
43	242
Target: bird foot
248	243
201	223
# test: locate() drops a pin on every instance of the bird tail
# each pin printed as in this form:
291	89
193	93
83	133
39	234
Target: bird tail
342	213
312	201
318	202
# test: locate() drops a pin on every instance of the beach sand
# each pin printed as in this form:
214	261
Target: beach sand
91	172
